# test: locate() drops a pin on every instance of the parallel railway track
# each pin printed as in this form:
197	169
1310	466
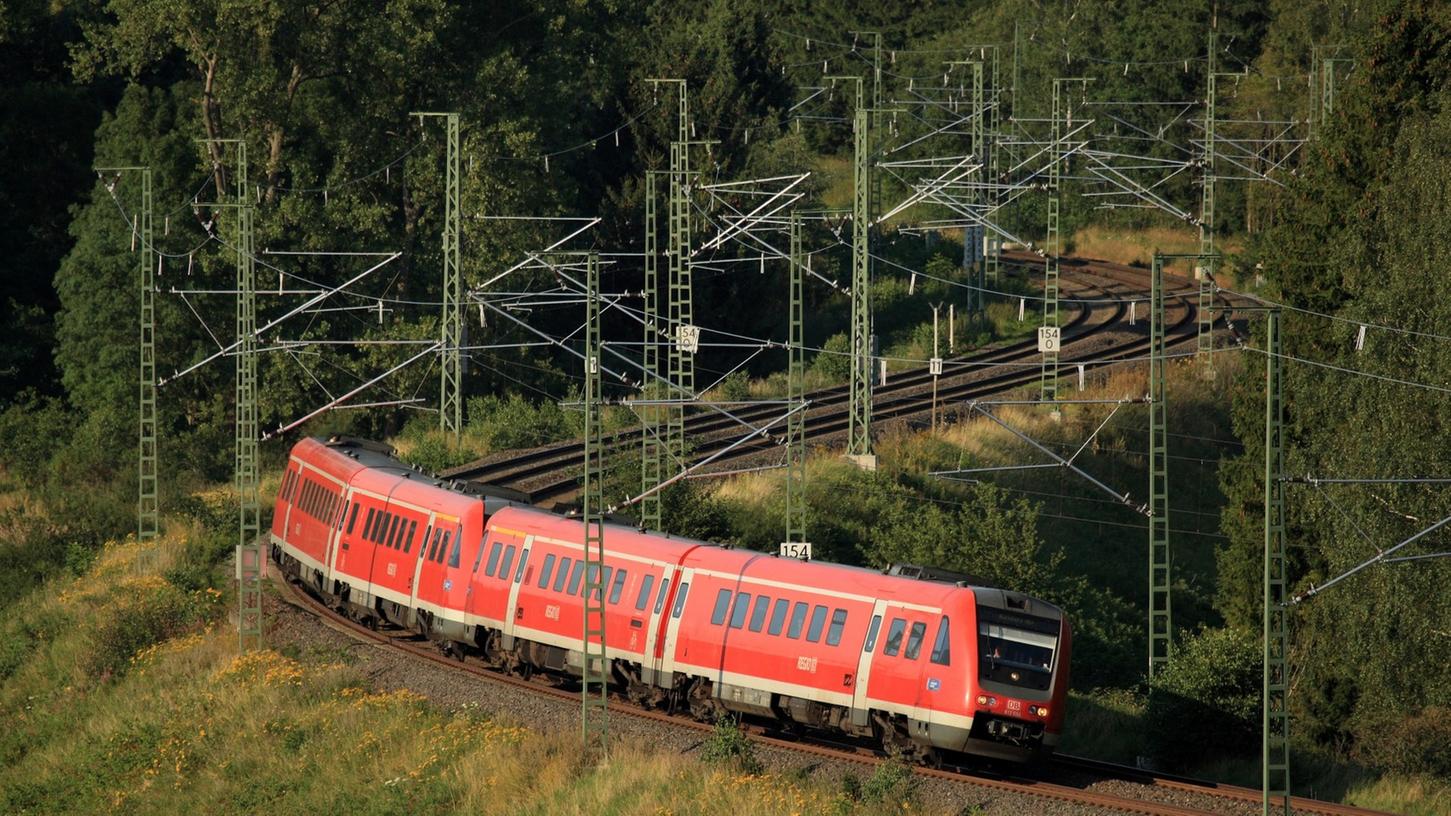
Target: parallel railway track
548	474
1045	781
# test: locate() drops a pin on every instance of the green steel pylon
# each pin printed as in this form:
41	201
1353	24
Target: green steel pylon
594	685
249	545
796	394
451	327
147	515
1275	724
1161	625
1205	270
995	122
147	521
979	196
652	449
1052	247
859	418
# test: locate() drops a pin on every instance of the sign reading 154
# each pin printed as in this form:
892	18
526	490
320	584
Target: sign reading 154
796	549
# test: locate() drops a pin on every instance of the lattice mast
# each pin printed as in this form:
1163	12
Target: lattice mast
249	545
1161	624
1206	268
594	685
1275	724
652	449
796	388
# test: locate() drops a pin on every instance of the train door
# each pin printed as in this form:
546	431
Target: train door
335	533
521	573
861	701
668	631
428	532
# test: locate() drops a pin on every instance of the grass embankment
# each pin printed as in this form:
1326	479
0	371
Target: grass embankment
125	693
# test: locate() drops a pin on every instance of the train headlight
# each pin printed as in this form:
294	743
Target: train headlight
1038	711
984	700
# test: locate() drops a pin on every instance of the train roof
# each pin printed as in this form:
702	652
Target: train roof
907	582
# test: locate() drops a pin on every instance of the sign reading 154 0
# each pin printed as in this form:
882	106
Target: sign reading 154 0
796	549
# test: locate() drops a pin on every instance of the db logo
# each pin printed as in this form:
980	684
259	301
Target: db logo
1015	705
806	664
552	612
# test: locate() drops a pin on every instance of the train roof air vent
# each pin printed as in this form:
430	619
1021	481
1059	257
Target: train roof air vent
935	574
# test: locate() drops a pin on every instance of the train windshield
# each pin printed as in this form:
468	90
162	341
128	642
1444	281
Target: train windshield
1016	649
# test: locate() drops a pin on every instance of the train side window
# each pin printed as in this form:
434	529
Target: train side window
523	559
563	575
914	641
380	533
722	605
739	610
423	543
660	599
758	614
393	531
479	556
778	616
303	495
617	587
574	577
894	637
872	633
507	562
798	619
458	544
353	519
430	550
493	559
408	540
680	599
645	587
942	648
600	578
343	516
838	623
368	523
548	570
818	620
287	485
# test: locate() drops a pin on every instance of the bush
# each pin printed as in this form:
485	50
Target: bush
728	745
833	362
507	423
1418	744
149	612
1205	704
890	783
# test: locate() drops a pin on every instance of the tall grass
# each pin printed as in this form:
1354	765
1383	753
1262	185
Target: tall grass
188	725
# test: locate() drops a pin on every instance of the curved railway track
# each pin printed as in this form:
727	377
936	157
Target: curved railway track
549	473
1046	781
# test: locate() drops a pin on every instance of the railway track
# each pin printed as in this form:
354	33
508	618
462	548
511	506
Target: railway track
1044	782
548	474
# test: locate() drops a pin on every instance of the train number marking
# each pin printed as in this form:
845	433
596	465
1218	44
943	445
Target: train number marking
552	612
806	664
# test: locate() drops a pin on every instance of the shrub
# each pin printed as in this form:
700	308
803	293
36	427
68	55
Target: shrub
833	362
728	745
149	612
1417	744
1205	703
891	782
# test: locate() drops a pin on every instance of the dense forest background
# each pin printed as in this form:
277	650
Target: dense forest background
559	120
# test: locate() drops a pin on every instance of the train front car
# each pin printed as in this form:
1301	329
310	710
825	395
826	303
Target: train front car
1019	682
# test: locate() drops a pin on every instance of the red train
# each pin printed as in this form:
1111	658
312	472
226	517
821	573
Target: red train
920	663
